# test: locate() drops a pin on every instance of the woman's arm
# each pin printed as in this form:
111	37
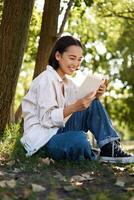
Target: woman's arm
79	105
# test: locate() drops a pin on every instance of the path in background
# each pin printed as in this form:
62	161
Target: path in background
128	145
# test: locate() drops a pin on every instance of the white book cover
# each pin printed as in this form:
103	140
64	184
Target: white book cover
91	83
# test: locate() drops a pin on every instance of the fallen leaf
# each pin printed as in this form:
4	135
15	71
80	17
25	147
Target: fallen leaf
87	176
27	192
2	173
131	174
11	163
69	188
52	161
6	197
2	184
16	170
129	189
77	178
10	183
60	176
46	161
80	178
38	188
120	183
77	183
119	168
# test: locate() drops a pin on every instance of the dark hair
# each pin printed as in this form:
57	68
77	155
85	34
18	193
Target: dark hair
61	45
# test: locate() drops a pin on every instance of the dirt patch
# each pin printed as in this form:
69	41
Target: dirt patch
65	180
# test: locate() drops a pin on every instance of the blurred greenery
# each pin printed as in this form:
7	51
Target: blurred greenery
107	32
1	7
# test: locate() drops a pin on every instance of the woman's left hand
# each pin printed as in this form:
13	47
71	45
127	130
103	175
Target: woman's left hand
102	89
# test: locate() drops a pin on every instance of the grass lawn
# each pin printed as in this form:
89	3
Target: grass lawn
40	178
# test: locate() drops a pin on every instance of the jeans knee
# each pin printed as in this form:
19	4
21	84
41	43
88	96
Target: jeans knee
80	140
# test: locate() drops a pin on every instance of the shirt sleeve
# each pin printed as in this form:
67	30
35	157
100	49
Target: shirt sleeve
50	113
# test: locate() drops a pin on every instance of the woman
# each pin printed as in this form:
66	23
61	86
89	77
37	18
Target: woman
57	121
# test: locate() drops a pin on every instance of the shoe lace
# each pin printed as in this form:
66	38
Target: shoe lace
117	148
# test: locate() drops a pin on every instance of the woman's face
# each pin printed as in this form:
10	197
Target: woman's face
69	61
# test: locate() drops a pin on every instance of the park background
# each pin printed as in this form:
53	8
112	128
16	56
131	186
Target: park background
106	29
28	29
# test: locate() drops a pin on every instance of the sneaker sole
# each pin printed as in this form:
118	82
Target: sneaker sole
123	160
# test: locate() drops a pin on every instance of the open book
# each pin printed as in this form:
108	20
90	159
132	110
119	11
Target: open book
90	84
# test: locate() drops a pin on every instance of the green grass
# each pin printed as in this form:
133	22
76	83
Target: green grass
10	141
12	149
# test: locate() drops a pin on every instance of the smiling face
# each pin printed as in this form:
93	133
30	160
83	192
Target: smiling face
69	61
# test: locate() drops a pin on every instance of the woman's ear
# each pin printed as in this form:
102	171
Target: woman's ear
57	55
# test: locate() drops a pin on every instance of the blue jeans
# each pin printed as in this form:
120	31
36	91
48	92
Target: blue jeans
71	141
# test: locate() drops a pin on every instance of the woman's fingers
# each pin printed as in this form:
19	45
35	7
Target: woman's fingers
91	95
101	90
106	82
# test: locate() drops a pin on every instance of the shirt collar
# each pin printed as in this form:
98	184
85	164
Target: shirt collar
50	68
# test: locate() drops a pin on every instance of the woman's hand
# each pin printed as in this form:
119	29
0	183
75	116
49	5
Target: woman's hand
102	89
80	104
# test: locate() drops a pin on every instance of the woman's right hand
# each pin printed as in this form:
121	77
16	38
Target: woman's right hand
79	105
83	103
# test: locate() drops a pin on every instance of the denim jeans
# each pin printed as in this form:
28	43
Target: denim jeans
71	141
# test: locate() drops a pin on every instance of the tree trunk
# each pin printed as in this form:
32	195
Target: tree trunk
13	37
70	3
48	34
12	115
47	39
18	114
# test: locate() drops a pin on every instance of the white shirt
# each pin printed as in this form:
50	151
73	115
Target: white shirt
43	106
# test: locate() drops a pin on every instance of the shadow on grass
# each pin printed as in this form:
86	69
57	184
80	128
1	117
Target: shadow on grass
102	187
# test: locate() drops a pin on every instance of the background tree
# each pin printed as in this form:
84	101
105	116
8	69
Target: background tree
13	36
49	32
47	36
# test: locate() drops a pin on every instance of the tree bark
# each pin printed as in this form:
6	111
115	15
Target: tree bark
47	39
48	34
70	3
13	37
12	114
18	114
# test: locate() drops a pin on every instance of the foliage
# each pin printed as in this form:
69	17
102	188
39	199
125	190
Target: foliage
1	7
78	3
106	30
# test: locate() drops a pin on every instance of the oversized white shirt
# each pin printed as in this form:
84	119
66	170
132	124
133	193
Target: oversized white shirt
43	106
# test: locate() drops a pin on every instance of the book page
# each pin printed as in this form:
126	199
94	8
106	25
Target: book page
90	84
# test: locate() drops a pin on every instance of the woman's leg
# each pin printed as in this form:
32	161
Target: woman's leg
95	119
70	145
